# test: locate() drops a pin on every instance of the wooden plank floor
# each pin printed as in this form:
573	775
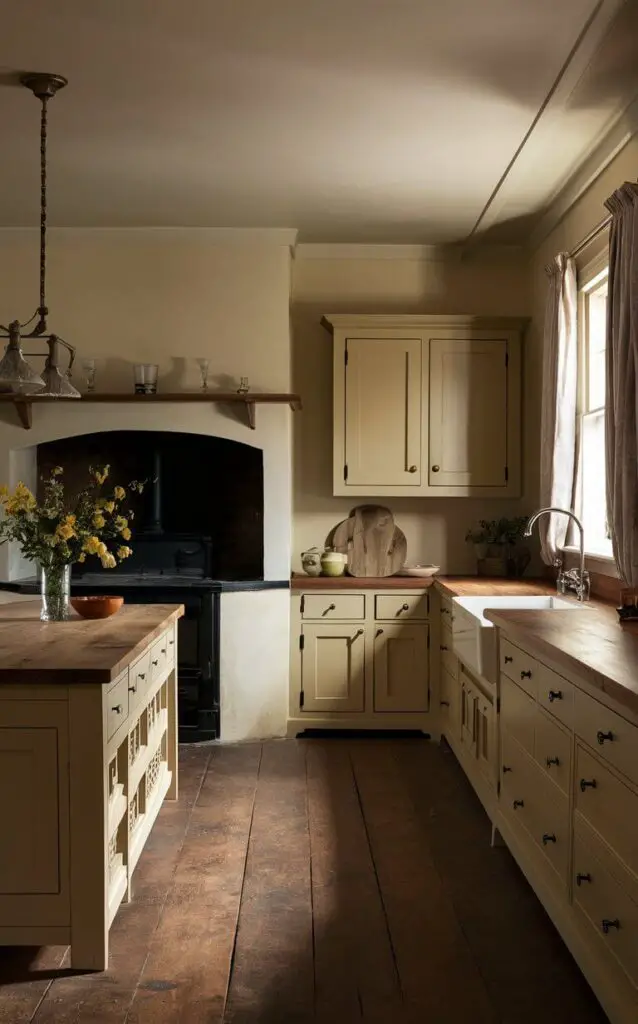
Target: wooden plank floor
335	880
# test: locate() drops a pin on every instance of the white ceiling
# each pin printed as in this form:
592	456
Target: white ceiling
351	120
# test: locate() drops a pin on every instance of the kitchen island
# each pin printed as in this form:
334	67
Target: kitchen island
88	753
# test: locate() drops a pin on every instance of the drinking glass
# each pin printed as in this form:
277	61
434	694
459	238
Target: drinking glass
146	378
88	365
203	370
244	386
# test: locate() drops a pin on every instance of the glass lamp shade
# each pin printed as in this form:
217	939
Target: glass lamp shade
15	373
56	384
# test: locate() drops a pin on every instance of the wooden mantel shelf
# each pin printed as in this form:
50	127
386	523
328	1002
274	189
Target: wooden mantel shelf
24	403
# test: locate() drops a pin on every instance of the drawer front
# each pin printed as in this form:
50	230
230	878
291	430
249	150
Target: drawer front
612	737
139	680
610	807
612	913
450	701
552	750
447	611
333	606
515	790
162	657
116	705
519	666
518	713
556	695
550	820
395	608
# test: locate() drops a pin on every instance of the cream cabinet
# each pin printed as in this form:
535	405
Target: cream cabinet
426	405
359	660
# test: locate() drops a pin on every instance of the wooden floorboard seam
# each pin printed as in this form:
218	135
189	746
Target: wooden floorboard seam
376	875
243	883
168	891
311	894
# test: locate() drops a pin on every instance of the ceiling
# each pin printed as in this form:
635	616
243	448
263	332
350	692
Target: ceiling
350	120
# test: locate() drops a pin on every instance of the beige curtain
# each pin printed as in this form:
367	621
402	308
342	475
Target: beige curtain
621	421
558	410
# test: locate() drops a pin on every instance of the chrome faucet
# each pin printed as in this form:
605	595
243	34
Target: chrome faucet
576	580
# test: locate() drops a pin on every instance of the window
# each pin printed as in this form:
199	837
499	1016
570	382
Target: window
592	326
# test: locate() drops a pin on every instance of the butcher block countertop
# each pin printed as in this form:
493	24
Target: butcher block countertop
457	586
477	586
80	650
588	644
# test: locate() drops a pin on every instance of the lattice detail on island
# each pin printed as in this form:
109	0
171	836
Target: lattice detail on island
153	771
133	811
113	775
134	741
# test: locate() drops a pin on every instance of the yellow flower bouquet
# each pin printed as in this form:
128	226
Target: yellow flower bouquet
57	531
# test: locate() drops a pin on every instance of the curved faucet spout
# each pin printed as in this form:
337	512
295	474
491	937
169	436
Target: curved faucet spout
576	579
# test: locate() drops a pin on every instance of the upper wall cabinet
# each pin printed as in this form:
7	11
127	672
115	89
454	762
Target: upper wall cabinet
427	405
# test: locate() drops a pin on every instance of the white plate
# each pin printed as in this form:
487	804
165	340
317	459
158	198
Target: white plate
419	570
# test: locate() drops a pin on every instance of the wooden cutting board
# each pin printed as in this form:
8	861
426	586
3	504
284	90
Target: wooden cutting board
375	546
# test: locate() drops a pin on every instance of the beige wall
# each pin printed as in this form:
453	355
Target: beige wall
435	528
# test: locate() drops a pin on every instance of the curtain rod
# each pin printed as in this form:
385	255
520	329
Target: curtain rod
576	251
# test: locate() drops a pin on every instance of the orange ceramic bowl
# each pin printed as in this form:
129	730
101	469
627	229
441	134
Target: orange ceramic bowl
100	606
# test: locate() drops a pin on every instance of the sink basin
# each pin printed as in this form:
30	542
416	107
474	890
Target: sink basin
473	637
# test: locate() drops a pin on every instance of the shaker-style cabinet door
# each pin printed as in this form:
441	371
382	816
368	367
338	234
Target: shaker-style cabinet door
468	414
383	394
401	668
333	667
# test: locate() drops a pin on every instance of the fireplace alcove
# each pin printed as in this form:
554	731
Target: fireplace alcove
198	490
199	521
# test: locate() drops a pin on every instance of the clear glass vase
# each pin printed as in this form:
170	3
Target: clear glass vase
55	588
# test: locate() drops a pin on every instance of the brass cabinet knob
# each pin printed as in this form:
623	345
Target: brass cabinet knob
412	469
435	469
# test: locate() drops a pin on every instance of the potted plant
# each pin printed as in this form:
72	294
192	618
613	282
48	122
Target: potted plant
59	530
498	547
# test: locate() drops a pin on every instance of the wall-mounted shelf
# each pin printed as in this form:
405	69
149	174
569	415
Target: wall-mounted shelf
24	403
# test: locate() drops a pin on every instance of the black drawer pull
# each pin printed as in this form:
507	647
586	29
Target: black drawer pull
404	608
379	632
141	675
602	736
506	768
518	803
587	784
555	695
330	608
171	642
117	709
155	663
606	924
549	761
132	689
580	878
443	647
526	675
445	703
163	650
548	837
508	659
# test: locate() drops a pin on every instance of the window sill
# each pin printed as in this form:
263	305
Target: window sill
595	561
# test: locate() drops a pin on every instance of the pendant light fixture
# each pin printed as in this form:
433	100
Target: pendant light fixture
16	375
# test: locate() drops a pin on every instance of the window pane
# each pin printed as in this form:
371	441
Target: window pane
594	501
596	340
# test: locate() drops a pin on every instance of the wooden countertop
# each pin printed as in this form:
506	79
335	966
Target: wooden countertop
587	644
470	586
80	650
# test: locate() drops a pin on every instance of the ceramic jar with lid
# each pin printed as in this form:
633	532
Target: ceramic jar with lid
311	561
333	563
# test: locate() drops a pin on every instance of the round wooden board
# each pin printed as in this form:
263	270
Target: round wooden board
375	546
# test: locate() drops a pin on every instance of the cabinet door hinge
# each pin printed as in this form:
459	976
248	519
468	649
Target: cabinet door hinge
345	471
301	698
507	474
507	359
303	603
302	641
498	705
428	640
498	787
345	356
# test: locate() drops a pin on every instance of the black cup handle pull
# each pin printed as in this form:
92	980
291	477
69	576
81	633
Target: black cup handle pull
506	768
549	761
443	647
582	877
548	837
603	736
555	695
587	784
526	675
508	658
444	703
606	924
518	803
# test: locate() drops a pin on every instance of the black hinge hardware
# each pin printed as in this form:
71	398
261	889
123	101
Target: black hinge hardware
428	640
302	641
507	473
498	705
507	358
345	355
301	698
303	603
345	471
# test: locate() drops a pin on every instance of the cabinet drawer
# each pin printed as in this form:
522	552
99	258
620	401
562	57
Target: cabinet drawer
402	606
515	796
116	705
518	713
548	814
333	606
610	910
552	750
139	679
614	738
556	695
610	807
162	657
519	666
447	612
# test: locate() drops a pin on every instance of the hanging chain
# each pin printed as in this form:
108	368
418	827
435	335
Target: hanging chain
43	212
